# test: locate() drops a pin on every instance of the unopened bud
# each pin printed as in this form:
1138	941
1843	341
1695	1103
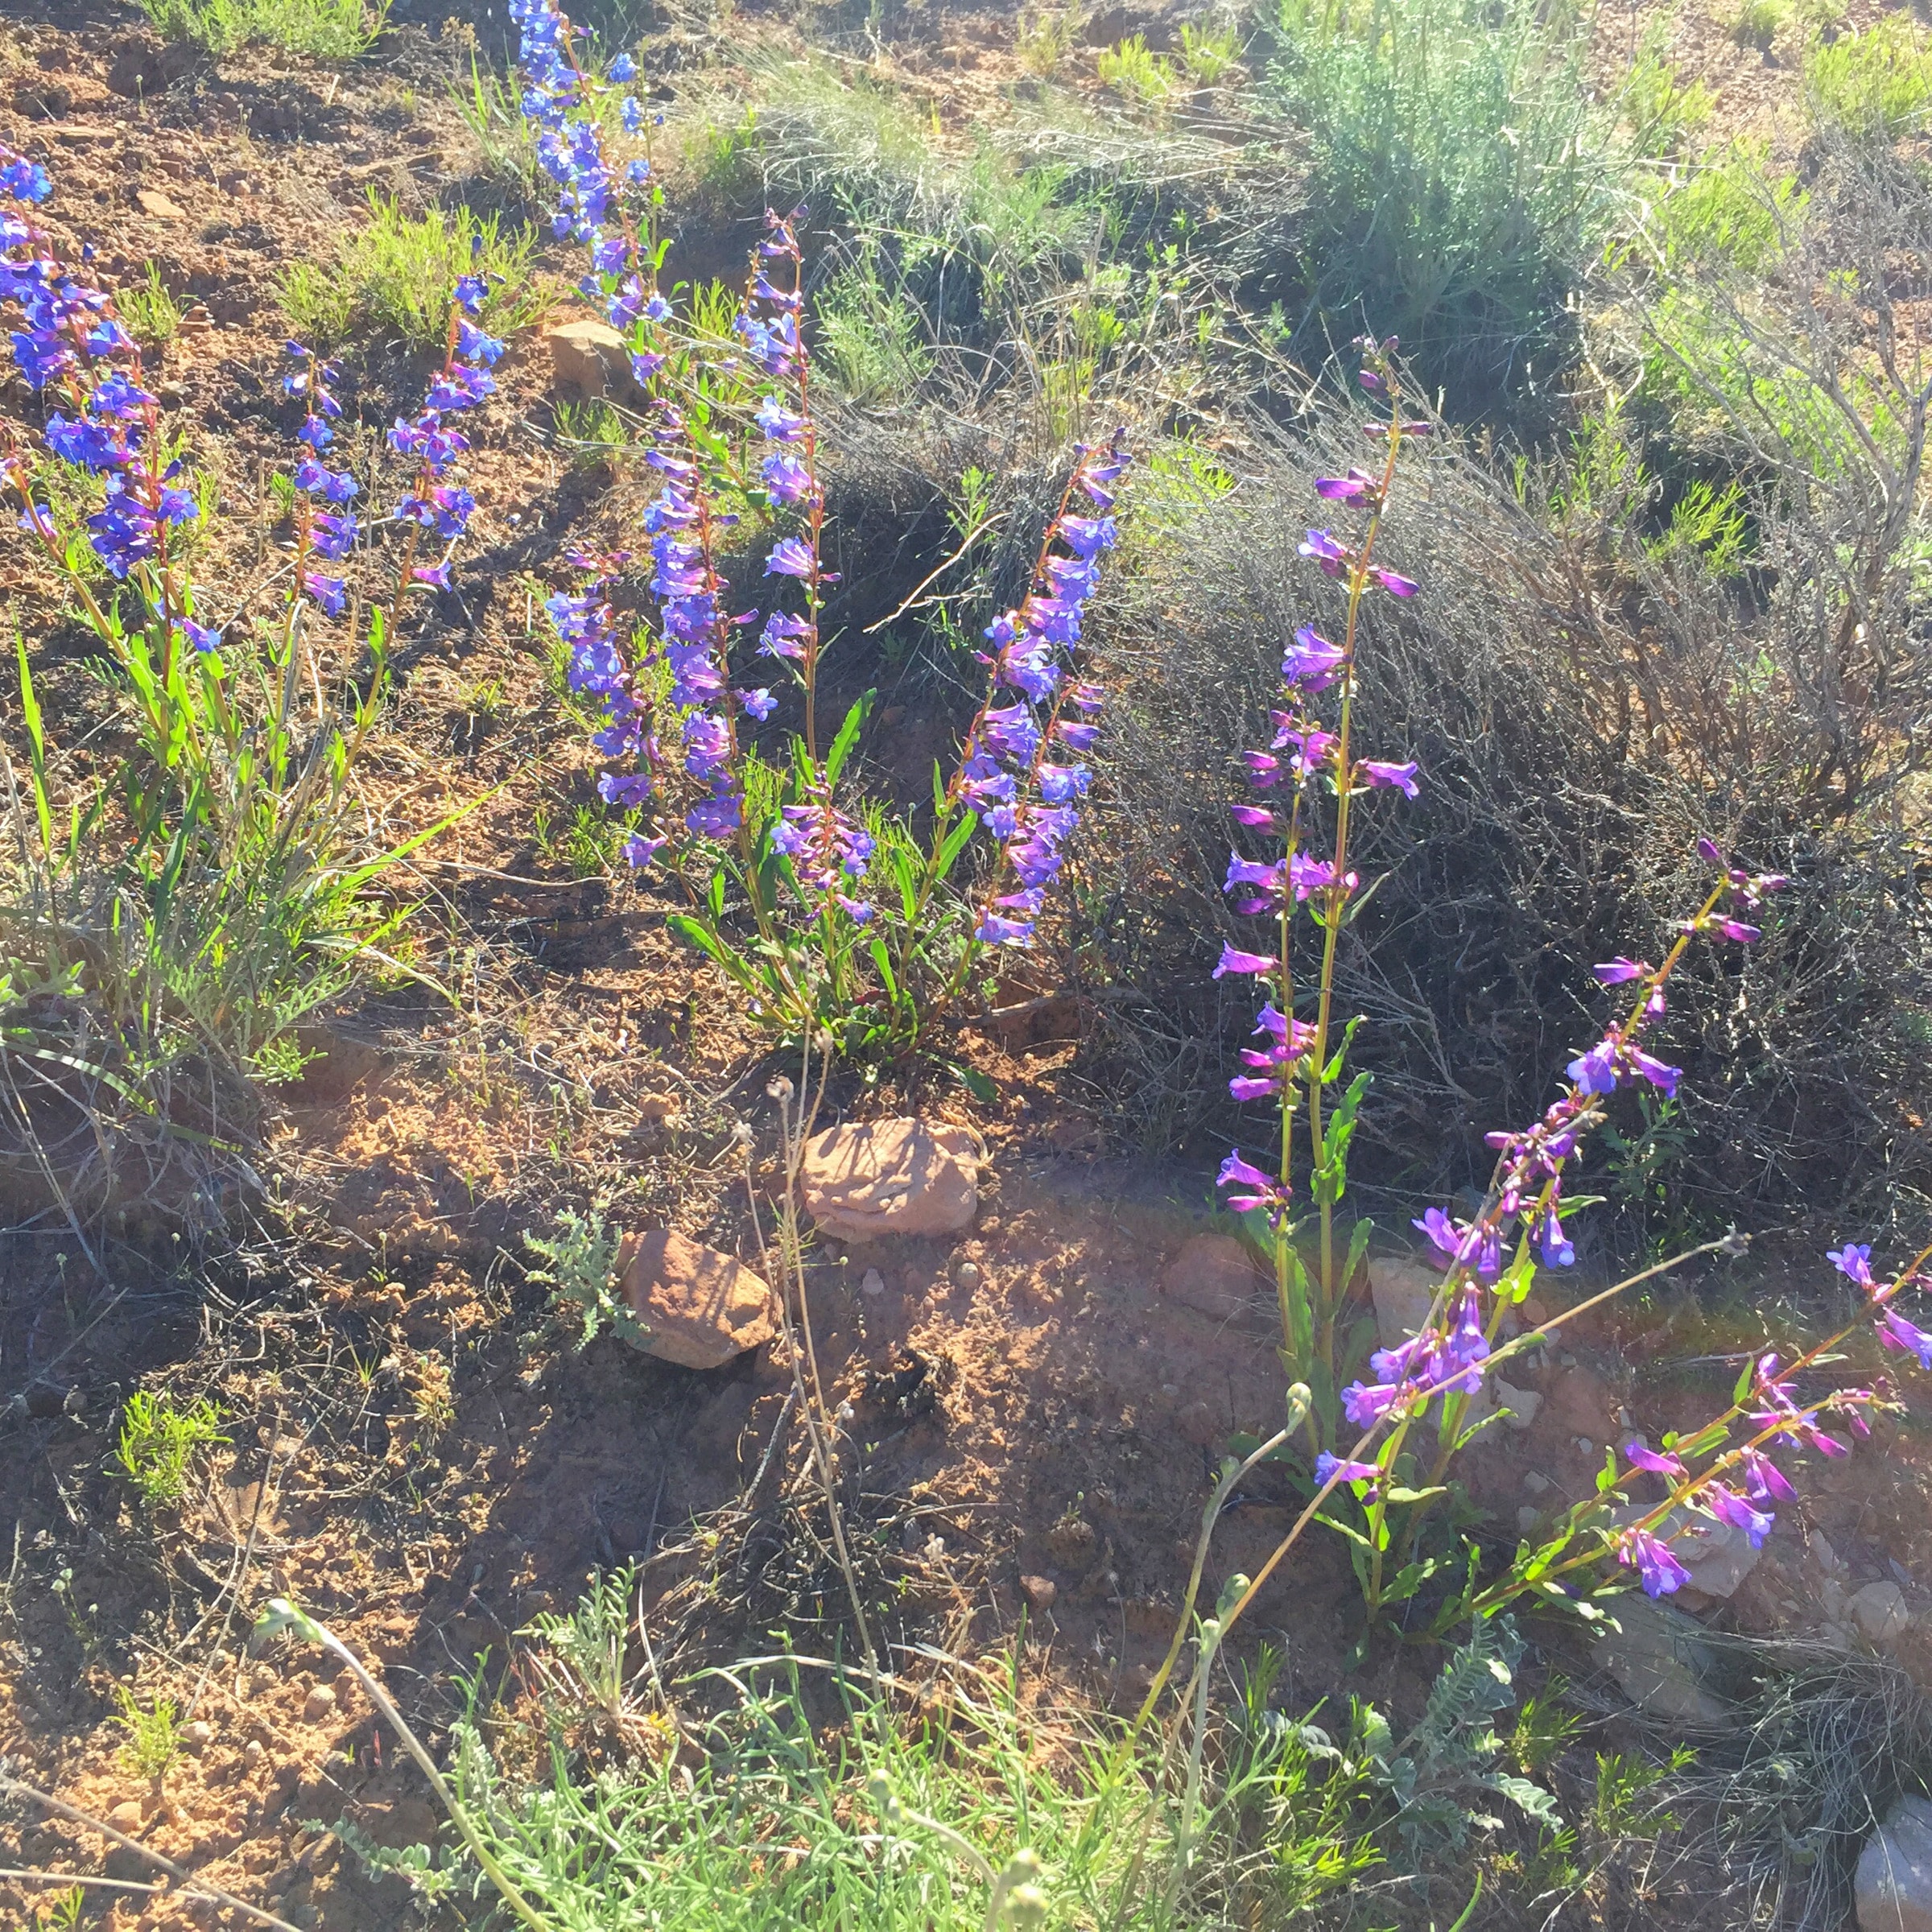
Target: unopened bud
1026	1906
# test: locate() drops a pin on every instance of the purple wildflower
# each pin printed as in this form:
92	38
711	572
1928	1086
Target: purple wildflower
1728	1506
1643	1457
1657	1569
1401	777
1334	1469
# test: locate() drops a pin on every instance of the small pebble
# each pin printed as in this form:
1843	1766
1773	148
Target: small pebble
126	1816
1536	1482
318	1704
1039	1591
1584	1443
874	1283
967	1274
252	1753
197	1736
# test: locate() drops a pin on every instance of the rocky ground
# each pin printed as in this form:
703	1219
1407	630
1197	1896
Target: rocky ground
1038	1348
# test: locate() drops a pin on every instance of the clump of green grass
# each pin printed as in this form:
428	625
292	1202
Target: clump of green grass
151	314
337	30
159	1441
1662	110
153	1735
872	340
1208	53
907	1825
1733	210
1463	178
594	433
1130	69
399	274
1046	38
1759	22
1876	83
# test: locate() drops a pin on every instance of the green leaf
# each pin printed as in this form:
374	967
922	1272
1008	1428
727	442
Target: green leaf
1358	1248
1332	1071
907	880
1711	1436
978	1085
848	737
955	843
1531	1799
700	935
881	959
1399	1496
1342	1529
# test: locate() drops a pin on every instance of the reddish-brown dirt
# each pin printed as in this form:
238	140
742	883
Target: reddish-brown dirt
416	1454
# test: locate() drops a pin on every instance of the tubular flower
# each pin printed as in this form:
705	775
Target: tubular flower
826	849
1265	1192
1334	1469
1657	1569
1030	800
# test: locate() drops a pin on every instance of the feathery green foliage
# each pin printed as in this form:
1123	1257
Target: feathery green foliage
333	29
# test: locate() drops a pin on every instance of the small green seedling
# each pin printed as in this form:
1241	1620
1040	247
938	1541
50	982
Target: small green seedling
157	1441
154	1735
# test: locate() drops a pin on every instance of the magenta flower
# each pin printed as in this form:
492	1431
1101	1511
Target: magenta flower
1657	1569
789	558
1854	1261
1401	777
1322	548
1559	1250
1354	488
1366	1404
1728	1507
1656	1072
1709	853
1334	1469
1397	586
1615	973
1234	961
1737	929
1895	1332
1763	1481
1644	1458
1311	659
1266	1193
1595	1072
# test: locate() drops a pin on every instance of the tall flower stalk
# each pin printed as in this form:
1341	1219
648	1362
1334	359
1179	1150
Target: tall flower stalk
1295	1065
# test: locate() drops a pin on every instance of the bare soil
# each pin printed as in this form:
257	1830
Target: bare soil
417	1455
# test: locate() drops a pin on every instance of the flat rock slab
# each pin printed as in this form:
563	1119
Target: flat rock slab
1217	1276
701	1308
1664	1662
591	358
1893	1888
891	1176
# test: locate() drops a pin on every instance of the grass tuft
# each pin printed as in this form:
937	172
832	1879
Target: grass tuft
159	1441
336	30
397	274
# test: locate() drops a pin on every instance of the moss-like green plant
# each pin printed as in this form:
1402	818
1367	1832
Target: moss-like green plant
1876	83
158	1442
334	29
